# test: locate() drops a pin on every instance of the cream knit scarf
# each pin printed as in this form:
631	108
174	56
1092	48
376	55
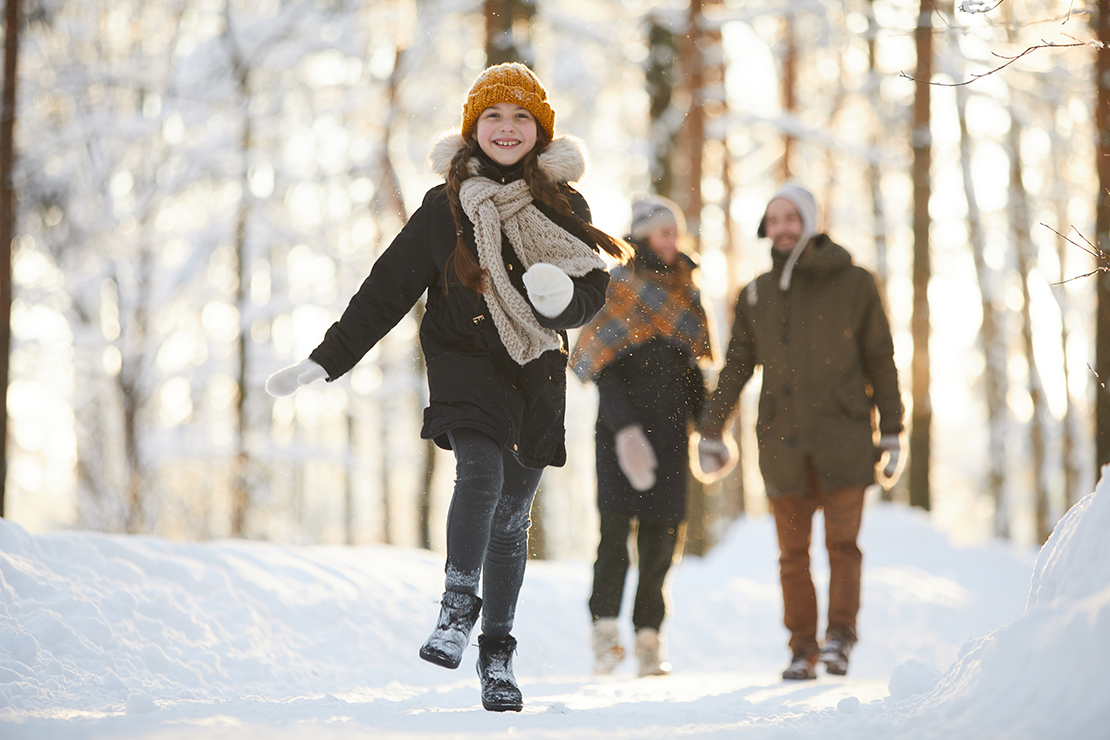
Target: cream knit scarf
494	208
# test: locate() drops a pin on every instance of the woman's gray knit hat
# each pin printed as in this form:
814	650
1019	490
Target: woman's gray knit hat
652	213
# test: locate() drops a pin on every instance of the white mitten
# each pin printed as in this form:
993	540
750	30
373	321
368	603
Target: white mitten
284	382
890	457
549	288
635	457
716	456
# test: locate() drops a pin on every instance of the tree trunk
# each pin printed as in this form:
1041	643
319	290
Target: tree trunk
384	429
731	488
133	387
1072	431
693	132
508	31
789	80
687	166
537	536
879	125
240	462
991	341
1102	231
7	223
659	80
921	139
240	486
1019	228
874	169
349	481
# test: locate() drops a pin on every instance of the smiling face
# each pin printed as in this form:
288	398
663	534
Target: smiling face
782	224
505	132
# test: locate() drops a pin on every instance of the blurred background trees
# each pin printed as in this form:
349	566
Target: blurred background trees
201	185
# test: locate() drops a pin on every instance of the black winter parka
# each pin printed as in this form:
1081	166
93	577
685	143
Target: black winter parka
472	380
659	386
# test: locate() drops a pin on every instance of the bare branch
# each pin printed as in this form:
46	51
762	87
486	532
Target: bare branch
1087	247
1009	60
1080	277
1098	379
1101	257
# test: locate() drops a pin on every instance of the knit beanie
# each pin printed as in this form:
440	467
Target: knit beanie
508	83
652	213
806	204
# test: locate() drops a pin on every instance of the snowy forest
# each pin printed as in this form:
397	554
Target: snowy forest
201	185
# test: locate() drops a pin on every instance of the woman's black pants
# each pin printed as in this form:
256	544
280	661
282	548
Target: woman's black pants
655	545
487	526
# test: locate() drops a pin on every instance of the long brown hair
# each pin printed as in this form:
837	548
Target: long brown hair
544	190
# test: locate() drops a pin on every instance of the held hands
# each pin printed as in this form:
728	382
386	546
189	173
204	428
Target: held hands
284	382
889	451
635	457
716	456
549	288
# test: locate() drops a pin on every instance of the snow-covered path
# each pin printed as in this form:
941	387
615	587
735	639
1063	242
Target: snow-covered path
135	637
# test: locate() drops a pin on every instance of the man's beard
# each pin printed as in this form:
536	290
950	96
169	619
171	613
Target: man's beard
785	244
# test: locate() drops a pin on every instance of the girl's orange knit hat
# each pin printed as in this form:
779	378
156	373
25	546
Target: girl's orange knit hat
508	83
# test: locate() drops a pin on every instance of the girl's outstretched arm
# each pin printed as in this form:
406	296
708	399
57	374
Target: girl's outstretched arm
399	277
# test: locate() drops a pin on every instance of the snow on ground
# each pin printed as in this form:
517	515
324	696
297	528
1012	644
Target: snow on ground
138	637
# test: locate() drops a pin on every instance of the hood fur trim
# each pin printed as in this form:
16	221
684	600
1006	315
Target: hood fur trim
564	160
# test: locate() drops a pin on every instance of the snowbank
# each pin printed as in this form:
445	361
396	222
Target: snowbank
138	637
1041	675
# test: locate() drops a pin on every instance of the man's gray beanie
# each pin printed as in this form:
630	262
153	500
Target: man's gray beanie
806	204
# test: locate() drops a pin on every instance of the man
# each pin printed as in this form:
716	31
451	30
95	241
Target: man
816	324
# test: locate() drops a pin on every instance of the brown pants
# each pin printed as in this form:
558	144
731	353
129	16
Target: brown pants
793	523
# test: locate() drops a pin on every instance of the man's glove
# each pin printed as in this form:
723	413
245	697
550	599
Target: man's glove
716	456
889	452
635	457
549	288
284	382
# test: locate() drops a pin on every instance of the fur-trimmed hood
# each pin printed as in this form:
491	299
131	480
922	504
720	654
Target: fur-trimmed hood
564	160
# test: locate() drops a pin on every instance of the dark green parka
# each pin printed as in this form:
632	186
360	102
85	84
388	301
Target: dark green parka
828	361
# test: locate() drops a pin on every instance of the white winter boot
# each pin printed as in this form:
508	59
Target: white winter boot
649	650
607	646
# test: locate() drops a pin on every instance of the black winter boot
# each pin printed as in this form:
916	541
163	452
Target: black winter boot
457	615
495	668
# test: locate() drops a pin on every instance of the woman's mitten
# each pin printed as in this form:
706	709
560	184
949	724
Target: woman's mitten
549	288
636	457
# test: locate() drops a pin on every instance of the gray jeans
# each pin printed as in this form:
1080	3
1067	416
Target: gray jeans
487	526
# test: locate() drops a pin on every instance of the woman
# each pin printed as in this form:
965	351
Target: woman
509	259
643	351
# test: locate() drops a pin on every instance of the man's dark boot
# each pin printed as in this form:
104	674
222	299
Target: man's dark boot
803	667
457	615
837	650
495	668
